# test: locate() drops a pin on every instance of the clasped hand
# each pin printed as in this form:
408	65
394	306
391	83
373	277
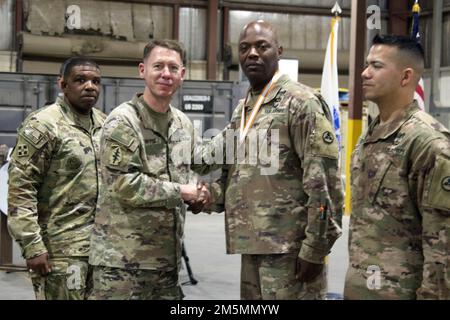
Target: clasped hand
196	196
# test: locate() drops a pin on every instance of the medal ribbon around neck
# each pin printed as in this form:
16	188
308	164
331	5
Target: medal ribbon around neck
268	87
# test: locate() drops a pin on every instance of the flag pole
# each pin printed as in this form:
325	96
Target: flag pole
419	93
355	104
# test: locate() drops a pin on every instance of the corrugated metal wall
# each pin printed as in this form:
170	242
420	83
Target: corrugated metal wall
6	24
312	3
295	31
117	20
193	32
140	22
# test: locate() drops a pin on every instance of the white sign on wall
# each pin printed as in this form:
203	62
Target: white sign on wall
289	67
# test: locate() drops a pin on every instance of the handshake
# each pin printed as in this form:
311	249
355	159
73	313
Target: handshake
196	196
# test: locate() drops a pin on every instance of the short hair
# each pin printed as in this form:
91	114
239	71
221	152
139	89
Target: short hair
63	68
403	43
166	43
72	62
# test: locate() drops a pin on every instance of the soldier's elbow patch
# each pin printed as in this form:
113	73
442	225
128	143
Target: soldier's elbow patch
323	140
437	192
30	140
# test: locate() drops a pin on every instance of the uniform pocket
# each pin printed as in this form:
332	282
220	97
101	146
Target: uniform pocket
377	182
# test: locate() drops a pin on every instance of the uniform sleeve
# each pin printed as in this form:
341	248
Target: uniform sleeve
122	170
433	194
217	190
29	163
209	157
212	155
315	143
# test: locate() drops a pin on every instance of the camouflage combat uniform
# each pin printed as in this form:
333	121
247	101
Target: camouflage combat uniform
273	218
399	228
136	240
52	196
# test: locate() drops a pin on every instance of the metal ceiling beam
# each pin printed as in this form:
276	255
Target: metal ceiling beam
170	3
176	22
355	106
398	17
226	41
211	57
284	8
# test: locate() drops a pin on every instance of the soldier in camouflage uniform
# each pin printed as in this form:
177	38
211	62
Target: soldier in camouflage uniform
399	228
53	185
136	242
283	221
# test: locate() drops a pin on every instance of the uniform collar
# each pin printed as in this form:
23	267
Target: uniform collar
73	118
148	122
272	94
389	129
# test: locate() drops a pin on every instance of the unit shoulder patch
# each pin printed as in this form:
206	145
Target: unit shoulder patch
115	156
437	192
328	137
446	183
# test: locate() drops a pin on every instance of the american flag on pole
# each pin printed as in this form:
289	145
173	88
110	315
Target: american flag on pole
329	87
419	95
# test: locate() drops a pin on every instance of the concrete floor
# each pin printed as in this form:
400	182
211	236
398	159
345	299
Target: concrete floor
217	273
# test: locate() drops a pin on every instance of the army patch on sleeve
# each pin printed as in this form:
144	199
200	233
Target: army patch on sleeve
324	143
33	135
446	183
436	191
29	141
115	157
328	137
22	150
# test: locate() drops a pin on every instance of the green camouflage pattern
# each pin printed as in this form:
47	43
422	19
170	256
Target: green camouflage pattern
400	222
279	212
135	284
140	220
70	279
53	182
272	277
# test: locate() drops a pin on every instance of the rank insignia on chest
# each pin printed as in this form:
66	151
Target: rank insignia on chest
446	183
116	156
22	150
328	137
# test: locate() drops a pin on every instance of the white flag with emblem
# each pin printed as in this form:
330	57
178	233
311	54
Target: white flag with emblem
330	85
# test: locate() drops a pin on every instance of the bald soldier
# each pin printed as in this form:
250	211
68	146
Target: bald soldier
52	191
284	214
399	228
